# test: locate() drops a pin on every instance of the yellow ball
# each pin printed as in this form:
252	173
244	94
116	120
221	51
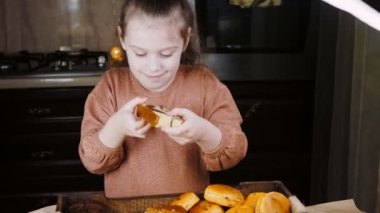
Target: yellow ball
116	53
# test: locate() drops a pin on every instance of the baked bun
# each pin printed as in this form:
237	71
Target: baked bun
185	200
252	199
205	206
241	209
273	202
223	195
157	116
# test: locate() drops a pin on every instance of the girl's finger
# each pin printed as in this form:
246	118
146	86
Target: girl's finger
130	106
178	112
144	129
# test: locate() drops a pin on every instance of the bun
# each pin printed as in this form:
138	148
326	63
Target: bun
157	116
205	206
223	195
253	198
186	200
241	209
220	197
273	202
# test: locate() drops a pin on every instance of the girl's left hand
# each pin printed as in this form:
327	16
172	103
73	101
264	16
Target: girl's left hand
194	129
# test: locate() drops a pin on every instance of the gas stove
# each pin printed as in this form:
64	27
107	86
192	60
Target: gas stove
64	67
58	62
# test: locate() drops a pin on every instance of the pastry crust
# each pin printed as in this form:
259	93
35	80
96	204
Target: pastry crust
273	202
157	116
223	195
205	206
186	200
241	209
252	199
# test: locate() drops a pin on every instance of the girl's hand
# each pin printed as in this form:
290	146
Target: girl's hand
124	123
194	129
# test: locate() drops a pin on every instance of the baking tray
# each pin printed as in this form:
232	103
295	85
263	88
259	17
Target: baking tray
96	201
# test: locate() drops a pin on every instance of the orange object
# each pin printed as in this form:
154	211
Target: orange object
241	209
252	199
205	206
273	202
116	54
186	200
157	116
223	195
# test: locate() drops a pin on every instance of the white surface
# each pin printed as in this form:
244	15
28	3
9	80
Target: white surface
297	206
360	10
340	206
47	209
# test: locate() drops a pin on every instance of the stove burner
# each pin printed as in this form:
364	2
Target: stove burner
76	60
23	61
59	61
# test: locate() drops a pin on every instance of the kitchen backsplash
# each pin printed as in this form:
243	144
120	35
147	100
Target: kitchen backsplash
46	25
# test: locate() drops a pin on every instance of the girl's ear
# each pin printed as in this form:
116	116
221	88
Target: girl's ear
120	35
187	39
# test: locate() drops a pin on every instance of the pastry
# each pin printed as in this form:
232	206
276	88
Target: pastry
205	206
273	202
157	116
186	200
223	195
252	199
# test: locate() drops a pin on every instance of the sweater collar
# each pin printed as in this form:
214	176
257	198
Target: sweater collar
143	92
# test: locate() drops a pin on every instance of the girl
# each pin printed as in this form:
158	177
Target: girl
160	41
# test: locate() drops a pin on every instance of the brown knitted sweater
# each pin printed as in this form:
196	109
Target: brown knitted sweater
156	164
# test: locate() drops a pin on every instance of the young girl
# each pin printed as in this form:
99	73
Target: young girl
160	41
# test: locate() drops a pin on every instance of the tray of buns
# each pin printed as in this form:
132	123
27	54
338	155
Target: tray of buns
187	201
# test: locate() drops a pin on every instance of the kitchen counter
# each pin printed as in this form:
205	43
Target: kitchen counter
50	80
343	206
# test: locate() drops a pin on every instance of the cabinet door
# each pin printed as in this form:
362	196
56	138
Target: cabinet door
277	119
42	110
40	131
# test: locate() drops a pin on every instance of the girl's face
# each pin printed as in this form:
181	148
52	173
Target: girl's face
154	47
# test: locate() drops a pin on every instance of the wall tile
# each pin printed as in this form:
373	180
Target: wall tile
45	25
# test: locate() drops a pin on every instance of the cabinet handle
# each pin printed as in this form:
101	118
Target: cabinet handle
43	154
39	111
252	109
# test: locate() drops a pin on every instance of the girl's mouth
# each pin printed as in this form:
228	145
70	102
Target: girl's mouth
154	76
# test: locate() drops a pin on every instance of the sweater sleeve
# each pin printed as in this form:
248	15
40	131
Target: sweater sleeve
96	157
221	110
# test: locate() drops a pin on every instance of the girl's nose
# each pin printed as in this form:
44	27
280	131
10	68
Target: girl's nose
154	64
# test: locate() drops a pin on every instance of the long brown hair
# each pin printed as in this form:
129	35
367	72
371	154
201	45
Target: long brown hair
165	8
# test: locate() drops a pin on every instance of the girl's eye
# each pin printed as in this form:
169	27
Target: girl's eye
139	54
166	54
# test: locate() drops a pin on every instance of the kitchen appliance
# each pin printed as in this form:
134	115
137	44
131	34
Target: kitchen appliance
42	97
259	43
226	27
61	68
53	63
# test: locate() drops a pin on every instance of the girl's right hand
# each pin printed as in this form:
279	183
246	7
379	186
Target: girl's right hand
124	123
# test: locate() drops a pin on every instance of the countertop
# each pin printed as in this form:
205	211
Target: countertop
50	80
342	206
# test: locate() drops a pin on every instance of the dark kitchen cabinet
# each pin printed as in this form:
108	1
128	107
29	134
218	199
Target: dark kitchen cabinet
277	119
40	131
